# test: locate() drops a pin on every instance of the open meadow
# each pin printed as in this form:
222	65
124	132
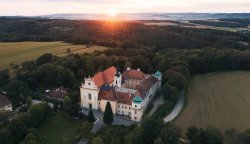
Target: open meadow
18	52
219	99
210	27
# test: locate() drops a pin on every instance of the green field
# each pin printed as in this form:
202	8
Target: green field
211	27
219	99
18	52
58	127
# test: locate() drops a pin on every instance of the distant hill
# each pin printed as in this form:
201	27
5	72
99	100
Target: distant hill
142	16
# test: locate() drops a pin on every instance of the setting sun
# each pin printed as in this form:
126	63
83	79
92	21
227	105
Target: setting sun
112	13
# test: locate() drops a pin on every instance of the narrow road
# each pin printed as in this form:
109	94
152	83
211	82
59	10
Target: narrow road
100	123
177	108
156	104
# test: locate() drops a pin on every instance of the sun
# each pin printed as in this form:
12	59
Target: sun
112	13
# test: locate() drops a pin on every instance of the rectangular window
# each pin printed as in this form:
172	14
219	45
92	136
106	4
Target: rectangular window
118	111
129	108
118	106
135	105
135	118
135	112
129	113
99	102
122	107
125	107
122	111
132	81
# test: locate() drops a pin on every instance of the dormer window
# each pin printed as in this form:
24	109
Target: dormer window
89	83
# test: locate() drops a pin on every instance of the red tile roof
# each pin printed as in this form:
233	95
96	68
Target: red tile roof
58	93
4	101
145	85
133	74
105	77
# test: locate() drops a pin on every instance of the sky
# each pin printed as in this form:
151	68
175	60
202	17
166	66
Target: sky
44	7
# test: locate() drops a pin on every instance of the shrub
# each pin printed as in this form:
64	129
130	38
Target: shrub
23	109
163	109
78	137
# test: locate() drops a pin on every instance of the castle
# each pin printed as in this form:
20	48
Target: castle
129	93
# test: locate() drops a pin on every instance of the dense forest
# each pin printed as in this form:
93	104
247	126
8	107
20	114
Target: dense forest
224	23
113	34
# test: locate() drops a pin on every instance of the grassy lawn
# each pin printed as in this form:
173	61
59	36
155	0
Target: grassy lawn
148	109
58	127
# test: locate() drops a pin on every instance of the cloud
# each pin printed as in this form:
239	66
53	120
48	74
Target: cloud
42	7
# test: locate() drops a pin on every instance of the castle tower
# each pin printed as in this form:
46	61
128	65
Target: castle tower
158	76
118	78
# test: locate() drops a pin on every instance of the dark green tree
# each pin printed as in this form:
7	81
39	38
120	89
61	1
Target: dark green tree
17	129
37	112
67	103
177	80
56	102
29	101
108	115
6	137
166	90
61	105
233	136
27	119
47	109
169	135
193	135
91	117
16	87
59	80
28	65
246	133
136	136
81	74
34	131
46	58
69	77
32	83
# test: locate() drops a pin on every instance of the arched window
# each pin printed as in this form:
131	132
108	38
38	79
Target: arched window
89	96
116	81
135	112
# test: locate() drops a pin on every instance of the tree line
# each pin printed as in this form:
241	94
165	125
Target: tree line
224	23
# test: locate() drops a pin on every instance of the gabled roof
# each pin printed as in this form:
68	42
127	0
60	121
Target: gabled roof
133	74
145	85
58	93
105	77
4	101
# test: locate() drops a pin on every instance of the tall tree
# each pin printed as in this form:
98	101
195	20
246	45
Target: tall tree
6	137
56	103
32	83
85	130
29	101
37	112
30	137
69	77
46	58
246	133
136	136
16	87
5	115
233	136
61	105
108	114
177	80
67	103
166	90
91	117
17	128
97	140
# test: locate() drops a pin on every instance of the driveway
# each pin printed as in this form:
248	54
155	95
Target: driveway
177	108
38	101
156	104
100	123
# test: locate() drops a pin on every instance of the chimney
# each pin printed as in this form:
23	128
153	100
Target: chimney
138	69
128	68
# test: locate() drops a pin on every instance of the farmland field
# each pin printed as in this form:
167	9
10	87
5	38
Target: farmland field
18	52
219	99
210	27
